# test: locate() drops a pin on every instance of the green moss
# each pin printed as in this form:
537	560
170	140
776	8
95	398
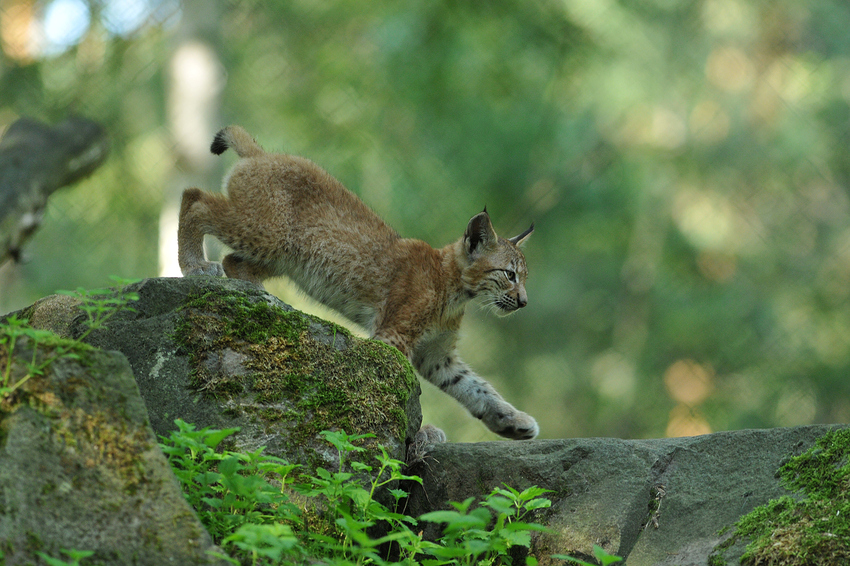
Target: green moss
50	348
296	369
812	528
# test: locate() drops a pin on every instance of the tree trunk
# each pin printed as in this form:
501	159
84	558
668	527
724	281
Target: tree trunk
35	161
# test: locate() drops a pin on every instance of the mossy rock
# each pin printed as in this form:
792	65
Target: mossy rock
80	469
224	353
813	526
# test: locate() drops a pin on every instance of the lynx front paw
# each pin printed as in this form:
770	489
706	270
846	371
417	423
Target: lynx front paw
512	424
207	268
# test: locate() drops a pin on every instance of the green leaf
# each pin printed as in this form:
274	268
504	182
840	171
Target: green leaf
604	557
499	504
520	526
571	559
541	503
214	437
455	521
53	561
398	493
440	516
360	467
229	466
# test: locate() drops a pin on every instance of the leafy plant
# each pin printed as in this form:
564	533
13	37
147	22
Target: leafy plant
14	331
229	489
246	501
468	537
102	304
99	305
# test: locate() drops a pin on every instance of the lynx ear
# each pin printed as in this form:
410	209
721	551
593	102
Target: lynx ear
479	233
520	240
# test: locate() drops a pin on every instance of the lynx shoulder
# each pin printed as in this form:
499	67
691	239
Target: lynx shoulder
285	216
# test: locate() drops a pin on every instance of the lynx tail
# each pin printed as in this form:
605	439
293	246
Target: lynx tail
237	138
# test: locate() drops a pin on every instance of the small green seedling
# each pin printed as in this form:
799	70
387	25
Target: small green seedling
98	308
75	555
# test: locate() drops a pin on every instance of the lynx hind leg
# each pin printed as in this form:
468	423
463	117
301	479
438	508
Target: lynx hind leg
193	224
238	267
418	449
429	434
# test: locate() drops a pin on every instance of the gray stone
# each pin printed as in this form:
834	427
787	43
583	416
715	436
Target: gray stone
224	353
80	469
655	502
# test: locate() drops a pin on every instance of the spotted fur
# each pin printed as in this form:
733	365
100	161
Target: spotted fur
284	215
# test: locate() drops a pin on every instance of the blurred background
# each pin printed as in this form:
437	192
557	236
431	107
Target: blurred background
686	164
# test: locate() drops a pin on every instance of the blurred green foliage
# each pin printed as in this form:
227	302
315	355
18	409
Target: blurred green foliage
686	164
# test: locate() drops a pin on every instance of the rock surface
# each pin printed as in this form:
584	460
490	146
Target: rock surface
224	353
81	470
654	502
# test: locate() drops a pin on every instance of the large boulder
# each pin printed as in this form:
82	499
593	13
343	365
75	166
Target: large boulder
224	353
654	502
80	468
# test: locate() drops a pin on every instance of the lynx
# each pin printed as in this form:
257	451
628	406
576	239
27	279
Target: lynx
284	215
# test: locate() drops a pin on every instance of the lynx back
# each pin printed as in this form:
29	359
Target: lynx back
285	216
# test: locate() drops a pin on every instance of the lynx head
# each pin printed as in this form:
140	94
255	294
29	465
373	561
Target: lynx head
495	268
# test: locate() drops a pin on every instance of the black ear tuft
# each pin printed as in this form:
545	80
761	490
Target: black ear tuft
219	144
520	240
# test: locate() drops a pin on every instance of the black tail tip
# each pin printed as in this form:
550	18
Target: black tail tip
219	145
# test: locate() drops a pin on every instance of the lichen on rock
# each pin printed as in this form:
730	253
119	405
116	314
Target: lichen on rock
81	469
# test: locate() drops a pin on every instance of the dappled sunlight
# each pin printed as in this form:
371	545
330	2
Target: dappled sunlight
704	217
796	405
685	421
729	69
31	29
614	377
688	382
708	122
736	18
17	30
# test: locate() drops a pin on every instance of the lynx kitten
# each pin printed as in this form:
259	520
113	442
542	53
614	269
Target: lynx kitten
284	215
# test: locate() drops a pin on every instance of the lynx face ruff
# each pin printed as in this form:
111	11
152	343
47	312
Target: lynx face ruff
284	215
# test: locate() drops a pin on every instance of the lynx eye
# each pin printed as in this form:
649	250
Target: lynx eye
511	275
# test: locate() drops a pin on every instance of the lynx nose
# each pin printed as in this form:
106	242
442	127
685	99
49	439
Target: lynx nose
521	301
